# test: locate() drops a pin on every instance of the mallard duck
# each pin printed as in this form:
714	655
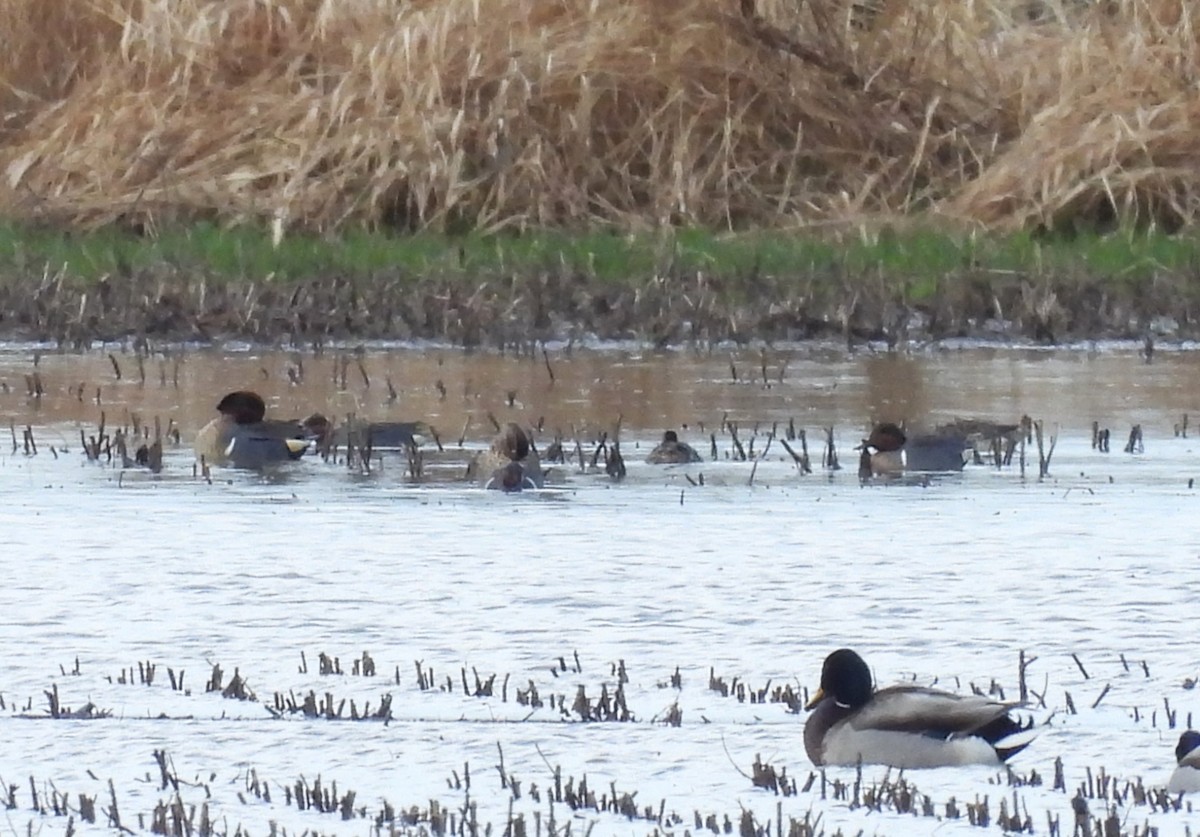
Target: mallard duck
888	451
1186	778
903	726
671	451
511	445
242	437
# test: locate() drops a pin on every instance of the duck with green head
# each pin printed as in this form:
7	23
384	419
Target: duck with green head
904	726
1186	777
242	437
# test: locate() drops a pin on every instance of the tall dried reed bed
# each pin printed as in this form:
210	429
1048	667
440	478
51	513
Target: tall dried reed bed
510	113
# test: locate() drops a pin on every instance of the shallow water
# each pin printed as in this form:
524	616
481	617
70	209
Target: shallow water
754	575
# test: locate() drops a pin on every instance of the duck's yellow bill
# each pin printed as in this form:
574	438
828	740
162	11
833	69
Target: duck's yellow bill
296	445
817	697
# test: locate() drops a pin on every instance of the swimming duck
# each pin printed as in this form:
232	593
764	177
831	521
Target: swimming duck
242	437
671	451
512	477
510	446
984	437
1186	778
903	726
888	450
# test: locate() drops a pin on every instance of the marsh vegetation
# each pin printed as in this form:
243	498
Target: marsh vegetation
703	171
518	114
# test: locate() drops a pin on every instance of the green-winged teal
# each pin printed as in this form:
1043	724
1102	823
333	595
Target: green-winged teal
242	437
889	450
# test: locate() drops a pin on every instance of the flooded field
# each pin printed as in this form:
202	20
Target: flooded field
507	649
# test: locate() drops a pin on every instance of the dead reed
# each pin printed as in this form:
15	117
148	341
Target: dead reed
316	115
1098	801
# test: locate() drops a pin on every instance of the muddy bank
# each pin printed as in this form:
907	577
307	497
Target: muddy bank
502	311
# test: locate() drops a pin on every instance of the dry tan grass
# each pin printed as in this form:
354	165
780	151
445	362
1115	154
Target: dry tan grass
512	113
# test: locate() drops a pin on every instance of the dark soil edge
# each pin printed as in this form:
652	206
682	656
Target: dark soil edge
505	310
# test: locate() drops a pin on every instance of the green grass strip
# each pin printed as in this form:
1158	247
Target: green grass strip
918	258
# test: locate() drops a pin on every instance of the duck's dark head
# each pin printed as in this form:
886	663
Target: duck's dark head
886	437
670	438
1188	743
243	407
317	427
846	679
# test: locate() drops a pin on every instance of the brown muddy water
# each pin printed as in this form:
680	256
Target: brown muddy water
584	392
487	617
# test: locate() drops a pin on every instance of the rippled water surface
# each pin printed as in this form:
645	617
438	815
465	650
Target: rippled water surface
734	570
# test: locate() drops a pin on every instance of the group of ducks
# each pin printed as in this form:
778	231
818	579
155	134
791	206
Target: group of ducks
914	726
851	721
243	437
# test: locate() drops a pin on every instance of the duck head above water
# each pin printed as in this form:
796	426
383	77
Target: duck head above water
1186	778
885	437
243	407
1189	745
846	678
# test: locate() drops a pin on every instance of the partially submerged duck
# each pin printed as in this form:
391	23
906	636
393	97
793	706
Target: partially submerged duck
511	446
512	477
889	450
984	437
1186	778
904	726
242	437
382	434
671	451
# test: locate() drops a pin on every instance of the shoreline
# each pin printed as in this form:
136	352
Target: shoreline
677	288
511	312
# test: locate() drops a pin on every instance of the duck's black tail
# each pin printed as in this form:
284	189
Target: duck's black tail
1008	735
